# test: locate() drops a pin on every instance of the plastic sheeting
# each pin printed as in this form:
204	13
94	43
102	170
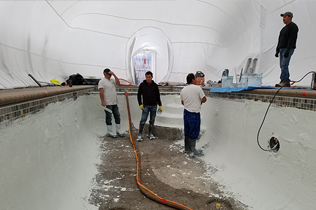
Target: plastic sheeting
53	39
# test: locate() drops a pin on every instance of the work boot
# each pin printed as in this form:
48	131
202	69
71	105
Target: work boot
193	152
150	135
186	145
118	131
283	84
110	133
140	133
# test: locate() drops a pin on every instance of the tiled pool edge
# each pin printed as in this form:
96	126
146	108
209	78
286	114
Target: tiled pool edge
10	113
281	101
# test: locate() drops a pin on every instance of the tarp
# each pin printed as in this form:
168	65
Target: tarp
230	90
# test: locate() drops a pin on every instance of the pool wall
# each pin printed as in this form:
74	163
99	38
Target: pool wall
262	180
48	159
56	148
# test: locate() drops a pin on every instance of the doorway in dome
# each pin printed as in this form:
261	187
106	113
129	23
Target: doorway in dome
143	62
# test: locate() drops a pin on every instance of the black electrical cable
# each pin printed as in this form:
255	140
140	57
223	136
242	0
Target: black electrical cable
265	115
302	77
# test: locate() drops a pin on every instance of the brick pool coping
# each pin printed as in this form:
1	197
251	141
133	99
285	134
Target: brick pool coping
18	103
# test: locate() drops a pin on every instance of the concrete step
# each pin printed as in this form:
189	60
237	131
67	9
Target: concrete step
173	120
174	108
177	99
167	119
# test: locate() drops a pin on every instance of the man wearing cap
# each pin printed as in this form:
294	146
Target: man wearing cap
286	46
192	97
149	91
107	90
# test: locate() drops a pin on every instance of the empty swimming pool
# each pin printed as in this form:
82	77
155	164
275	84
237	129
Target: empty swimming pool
48	160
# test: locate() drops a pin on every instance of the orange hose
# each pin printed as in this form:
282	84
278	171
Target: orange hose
138	169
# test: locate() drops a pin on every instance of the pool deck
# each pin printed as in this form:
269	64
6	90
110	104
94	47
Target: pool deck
293	92
11	96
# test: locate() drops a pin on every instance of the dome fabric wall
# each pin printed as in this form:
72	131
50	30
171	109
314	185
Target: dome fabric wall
54	39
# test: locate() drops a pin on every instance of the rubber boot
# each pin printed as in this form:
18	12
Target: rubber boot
110	133
150	134
140	133
118	131
186	145
193	151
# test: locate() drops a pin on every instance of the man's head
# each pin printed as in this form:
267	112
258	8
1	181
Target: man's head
149	77
287	17
107	74
191	79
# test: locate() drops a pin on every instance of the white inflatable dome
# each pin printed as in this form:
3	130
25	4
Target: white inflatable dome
53	39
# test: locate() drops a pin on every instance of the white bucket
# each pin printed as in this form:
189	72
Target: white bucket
255	80
243	83
227	82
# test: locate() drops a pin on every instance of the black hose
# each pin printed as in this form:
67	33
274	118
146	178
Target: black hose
302	77
265	115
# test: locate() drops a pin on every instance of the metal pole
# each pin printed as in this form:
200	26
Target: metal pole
35	80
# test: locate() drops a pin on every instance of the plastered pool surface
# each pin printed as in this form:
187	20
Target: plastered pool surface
48	160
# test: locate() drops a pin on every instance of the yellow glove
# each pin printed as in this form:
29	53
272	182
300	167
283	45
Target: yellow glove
56	82
141	107
160	108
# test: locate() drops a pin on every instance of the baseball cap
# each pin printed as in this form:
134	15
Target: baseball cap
106	71
290	14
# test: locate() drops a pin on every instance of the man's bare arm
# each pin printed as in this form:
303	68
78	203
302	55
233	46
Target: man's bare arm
102	97
117	81
203	100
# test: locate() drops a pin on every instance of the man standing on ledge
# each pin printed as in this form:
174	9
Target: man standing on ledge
192	97
107	90
151	97
286	46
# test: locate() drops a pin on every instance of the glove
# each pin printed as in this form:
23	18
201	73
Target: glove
276	54
286	54
141	106
160	108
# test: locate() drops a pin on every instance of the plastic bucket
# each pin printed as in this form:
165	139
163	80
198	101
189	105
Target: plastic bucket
255	80
243	82
227	81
